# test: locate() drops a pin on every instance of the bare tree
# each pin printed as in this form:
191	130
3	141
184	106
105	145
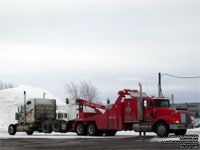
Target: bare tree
84	90
72	90
88	91
5	85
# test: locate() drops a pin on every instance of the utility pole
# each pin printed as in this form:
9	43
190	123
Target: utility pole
172	100
159	85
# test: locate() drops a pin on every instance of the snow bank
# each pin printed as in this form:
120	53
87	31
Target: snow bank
11	98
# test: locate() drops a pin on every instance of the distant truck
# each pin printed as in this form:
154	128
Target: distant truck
133	110
42	115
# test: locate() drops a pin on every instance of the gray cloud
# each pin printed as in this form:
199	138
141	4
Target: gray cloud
46	43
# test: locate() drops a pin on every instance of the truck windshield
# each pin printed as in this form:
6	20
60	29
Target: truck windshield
162	103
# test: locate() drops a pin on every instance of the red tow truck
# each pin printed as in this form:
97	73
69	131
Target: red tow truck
133	110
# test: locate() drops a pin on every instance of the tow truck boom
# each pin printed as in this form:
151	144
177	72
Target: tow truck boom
81	103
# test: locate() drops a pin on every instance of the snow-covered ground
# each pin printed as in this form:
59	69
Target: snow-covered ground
71	135
11	98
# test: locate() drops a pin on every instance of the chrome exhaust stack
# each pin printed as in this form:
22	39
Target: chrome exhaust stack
44	95
140	105
24	107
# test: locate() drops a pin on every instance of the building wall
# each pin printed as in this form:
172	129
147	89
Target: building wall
194	108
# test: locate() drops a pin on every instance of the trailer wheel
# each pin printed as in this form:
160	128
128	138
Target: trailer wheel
46	127
56	126
29	132
92	129
110	132
12	129
180	132
80	129
162	129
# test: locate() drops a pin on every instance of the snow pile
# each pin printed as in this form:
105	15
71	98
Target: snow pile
11	98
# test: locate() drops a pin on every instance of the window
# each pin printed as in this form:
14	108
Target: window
64	115
148	104
162	103
28	103
60	115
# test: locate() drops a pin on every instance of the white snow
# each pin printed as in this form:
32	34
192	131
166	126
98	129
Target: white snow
195	131
70	135
11	98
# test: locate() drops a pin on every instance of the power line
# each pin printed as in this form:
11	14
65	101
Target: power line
191	77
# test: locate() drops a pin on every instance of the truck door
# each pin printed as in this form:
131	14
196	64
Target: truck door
148	110
30	111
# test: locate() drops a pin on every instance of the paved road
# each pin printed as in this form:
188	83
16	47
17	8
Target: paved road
134	142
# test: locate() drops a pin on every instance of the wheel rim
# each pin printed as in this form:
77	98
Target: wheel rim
161	130
80	129
11	129
91	130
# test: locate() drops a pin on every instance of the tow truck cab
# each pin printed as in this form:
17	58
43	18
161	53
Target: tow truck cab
166	118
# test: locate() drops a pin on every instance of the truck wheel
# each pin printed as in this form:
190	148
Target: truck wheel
92	129
12	129
162	130
80	129
110	132
29	132
46	127
56	126
180	132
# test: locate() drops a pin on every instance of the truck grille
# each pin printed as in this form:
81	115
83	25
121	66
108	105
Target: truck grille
188	119
185	118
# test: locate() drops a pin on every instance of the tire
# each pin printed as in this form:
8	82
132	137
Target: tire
56	126
46	127
80	129
29	132
180	132
110	132
92	129
162	129
12	129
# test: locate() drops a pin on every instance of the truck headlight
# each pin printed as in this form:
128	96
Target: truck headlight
176	121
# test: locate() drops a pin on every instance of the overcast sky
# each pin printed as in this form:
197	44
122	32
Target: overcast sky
113	43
